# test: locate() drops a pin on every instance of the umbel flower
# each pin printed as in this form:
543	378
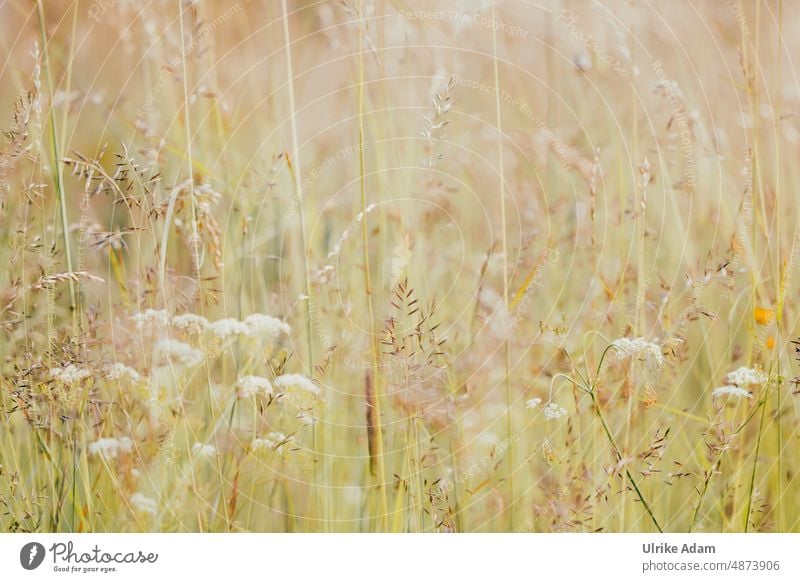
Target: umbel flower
273	442
553	411
70	375
227	328
300	390
150	317
260	327
641	350
190	323
533	403
265	328
746	377
248	386
177	352
288	381
122	373
739	381
735	391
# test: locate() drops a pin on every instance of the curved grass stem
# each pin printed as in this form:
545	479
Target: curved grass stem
617	451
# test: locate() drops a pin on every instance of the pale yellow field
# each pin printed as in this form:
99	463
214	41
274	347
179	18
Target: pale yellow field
379	265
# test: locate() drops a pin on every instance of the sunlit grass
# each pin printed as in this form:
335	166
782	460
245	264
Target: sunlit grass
372	266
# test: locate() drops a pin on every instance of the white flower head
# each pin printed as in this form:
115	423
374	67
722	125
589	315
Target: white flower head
178	352
731	391
248	386
641	350
190	323
227	328
123	373
288	381
553	411
274	441
144	504
533	403
265	328
203	450
110	448
149	317
746	377
71	374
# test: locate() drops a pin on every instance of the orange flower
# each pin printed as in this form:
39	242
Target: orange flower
763	315
770	342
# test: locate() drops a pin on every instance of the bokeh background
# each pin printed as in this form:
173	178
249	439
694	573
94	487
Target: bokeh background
497	257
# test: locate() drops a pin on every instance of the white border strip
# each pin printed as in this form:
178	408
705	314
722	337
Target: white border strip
377	558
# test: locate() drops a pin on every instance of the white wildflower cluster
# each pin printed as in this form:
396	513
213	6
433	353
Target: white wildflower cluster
553	411
123	374
110	448
641	350
273	442
289	381
203	450
303	395
265	328
533	403
71	374
189	323
746	377
150	317
144	504
258	326
226	328
739	381
248	386
177	352
731	391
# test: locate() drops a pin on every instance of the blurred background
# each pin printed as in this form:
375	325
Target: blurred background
456	207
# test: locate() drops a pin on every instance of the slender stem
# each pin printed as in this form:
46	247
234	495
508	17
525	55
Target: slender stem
619	454
189	154
782	284
296	177
706	483
58	180
195	250
381	469
763	406
58	171
507	379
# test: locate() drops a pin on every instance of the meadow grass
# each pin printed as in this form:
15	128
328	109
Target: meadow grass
378	266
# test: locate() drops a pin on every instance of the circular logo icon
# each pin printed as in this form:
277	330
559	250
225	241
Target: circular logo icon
31	555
